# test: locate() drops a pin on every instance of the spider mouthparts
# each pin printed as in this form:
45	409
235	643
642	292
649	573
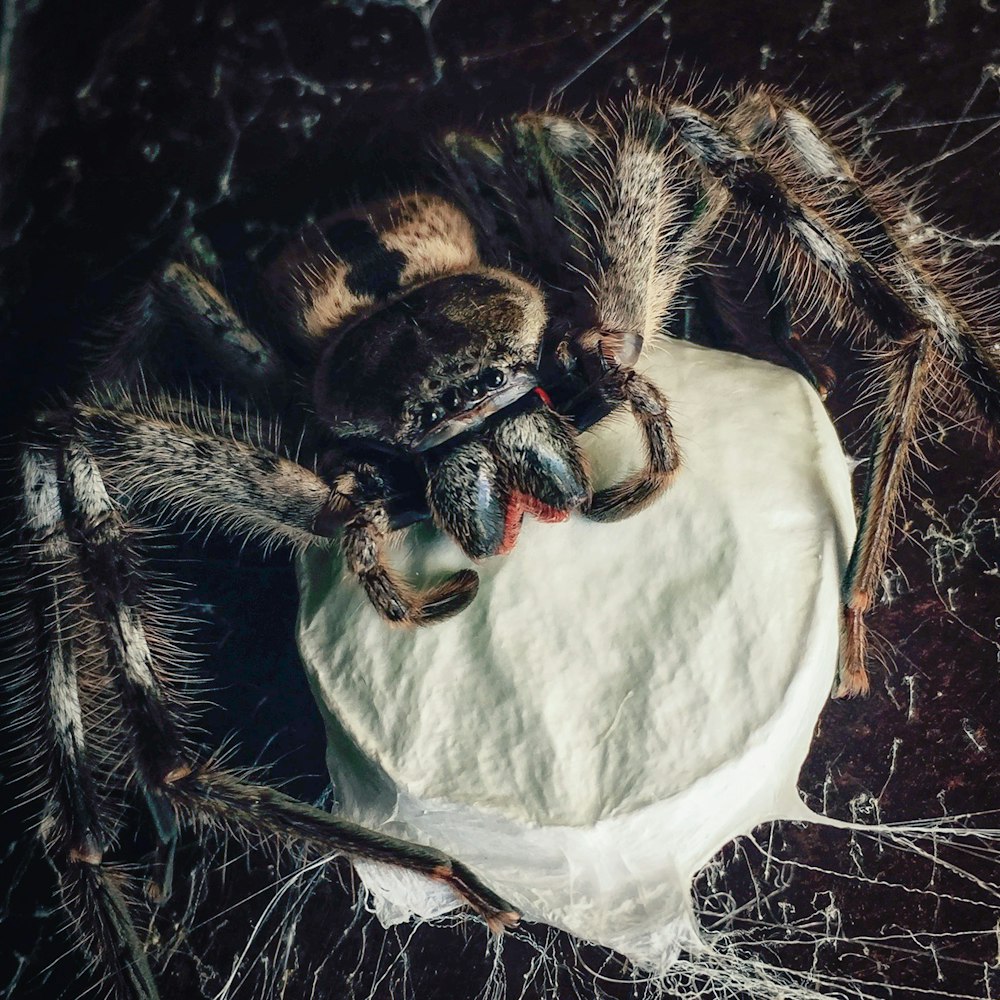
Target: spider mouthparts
543	396
520	504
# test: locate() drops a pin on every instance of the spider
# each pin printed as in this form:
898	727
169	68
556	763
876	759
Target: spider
435	355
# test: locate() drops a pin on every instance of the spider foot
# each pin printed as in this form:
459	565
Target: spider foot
826	380
94	895
624	499
822	377
447	599
401	604
612	348
497	913
637	491
852	675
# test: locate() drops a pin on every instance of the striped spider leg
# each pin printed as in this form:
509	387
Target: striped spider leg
612	222
640	197
800	193
96	683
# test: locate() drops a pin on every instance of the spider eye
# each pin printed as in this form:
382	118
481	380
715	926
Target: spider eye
474	389
493	378
433	412
451	400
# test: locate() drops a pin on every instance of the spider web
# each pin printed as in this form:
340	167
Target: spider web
774	927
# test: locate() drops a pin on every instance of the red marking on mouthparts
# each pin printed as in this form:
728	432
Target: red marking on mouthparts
519	504
543	396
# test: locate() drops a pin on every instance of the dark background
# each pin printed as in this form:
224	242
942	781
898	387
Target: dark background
123	124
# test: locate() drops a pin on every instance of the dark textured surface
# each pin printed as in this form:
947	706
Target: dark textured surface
122	124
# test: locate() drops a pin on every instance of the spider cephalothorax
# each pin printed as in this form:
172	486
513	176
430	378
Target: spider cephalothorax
429	359
438	355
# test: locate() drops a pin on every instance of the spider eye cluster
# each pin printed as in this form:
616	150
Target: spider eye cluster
457	398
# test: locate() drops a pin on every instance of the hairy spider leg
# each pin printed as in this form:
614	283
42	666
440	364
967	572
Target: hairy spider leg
356	508
247	359
76	827
916	366
525	192
824	177
107	559
917	323
240	483
651	219
213	797
206	468
364	540
180	296
631	216
76	537
651	410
